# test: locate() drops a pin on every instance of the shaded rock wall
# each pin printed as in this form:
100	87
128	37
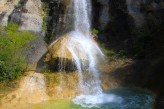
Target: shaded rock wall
100	13
135	26
123	19
57	18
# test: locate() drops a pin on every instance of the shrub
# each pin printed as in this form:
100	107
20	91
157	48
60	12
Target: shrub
13	43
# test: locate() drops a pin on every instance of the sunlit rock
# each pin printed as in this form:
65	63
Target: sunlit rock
6	9
32	89
71	49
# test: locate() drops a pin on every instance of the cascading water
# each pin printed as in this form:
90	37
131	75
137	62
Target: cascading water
84	51
85	55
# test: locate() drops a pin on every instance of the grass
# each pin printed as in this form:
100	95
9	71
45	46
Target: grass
112	54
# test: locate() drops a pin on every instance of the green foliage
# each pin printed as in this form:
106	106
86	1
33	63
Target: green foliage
13	43
95	31
113	54
108	52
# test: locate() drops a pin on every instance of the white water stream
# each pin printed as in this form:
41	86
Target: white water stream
82	12
85	55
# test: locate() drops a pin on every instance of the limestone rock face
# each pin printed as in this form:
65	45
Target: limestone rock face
6	9
3	2
31	17
31	20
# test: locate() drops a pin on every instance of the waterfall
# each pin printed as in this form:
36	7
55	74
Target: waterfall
85	54
81	42
82	11
81	48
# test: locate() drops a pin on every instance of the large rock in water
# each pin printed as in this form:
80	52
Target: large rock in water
72	51
55	50
59	55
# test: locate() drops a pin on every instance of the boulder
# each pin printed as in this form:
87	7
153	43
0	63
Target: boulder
73	51
55	50
60	56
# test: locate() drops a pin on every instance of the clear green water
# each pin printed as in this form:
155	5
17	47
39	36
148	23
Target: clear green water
131	99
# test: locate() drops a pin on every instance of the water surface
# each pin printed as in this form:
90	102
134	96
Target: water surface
125	99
